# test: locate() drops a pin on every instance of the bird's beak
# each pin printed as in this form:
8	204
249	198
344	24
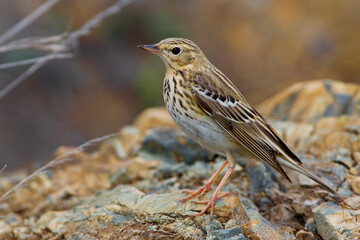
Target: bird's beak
151	48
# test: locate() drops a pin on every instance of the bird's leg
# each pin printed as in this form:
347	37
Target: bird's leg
211	203
204	189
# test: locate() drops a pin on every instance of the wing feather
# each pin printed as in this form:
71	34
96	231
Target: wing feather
242	122
217	96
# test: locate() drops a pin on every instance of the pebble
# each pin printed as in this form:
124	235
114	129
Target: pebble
334	222
356	185
231	223
226	234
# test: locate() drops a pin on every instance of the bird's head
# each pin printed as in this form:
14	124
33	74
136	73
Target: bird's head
177	53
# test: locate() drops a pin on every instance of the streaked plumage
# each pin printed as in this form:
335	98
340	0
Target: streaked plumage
208	107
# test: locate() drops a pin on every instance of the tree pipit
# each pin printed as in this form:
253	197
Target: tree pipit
208	107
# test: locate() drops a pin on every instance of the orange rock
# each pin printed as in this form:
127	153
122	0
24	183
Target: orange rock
326	135
152	118
329	218
356	185
310	101
304	235
252	223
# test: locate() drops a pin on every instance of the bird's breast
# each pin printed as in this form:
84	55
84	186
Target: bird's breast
190	118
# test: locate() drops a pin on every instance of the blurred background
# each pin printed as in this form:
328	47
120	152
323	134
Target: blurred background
263	46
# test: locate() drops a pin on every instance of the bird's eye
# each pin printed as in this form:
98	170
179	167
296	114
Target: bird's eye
176	50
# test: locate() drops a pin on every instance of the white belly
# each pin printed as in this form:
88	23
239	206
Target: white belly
204	131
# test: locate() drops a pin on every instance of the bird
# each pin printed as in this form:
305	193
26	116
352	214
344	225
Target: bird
209	108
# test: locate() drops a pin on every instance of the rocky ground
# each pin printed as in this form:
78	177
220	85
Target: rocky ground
128	186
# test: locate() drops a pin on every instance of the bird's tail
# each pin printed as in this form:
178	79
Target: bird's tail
300	169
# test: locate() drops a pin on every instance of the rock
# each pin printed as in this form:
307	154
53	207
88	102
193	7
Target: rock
174	145
303	235
248	204
210	224
353	203
49	221
231	223
136	169
334	222
310	225
264	203
126	142
331	135
353	171
199	170
343	156
281	213
259	227
167	170
357	157
303	203
123	205
296	135
186	229
261	177
255	226
321	139
327	97
22	233
4	227
153	118
120	177
317	116
356	185
353	129
226	234
345	190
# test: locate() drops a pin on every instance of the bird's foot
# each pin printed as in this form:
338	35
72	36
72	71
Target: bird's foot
201	192
210	204
204	189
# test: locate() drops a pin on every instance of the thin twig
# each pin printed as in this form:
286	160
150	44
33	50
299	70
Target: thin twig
52	43
98	18
3	168
61	42
38	64
27	20
60	46
21	78
46	58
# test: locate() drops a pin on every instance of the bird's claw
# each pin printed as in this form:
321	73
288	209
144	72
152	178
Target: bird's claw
210	204
201	192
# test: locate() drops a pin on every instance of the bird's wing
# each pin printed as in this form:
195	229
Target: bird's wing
222	101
